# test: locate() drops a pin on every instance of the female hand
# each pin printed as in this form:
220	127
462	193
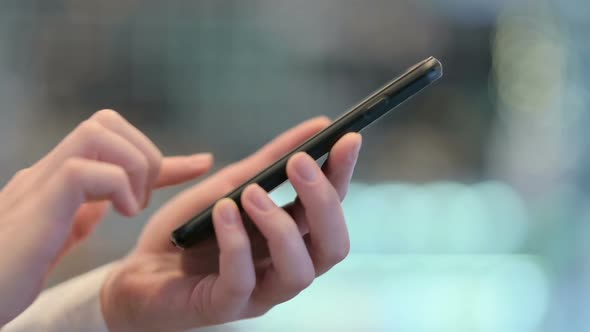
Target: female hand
246	270
49	207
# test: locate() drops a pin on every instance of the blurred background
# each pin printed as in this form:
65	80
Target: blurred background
469	209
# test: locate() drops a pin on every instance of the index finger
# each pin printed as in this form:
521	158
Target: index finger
179	169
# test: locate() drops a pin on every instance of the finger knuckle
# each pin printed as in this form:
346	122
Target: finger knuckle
89	129
237	248
284	233
107	116
120	174
293	285
241	289
337	254
301	281
72	169
319	195
138	164
202	294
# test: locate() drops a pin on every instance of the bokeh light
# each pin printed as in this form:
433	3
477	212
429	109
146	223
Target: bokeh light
442	217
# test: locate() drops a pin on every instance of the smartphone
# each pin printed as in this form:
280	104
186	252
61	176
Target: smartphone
372	108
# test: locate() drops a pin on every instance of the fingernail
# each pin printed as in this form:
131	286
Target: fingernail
260	198
305	168
229	215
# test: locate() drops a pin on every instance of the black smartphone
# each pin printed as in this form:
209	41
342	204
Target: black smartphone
372	108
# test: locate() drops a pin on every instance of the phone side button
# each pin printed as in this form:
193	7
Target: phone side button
378	102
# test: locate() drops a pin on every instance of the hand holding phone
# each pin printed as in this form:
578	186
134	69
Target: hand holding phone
366	112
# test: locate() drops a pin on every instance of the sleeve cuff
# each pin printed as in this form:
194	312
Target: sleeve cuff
70	306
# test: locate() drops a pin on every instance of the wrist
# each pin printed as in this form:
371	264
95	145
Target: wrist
112	315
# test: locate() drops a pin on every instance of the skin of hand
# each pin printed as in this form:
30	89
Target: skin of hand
51	206
259	259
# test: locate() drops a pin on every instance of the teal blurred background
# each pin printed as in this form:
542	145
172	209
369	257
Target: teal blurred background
469	209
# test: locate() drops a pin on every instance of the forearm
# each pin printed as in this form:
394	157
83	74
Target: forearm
71	306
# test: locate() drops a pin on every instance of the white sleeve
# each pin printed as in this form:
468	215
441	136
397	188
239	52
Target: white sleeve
71	306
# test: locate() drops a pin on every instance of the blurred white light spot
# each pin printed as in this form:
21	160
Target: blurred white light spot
529	60
442	217
508	217
513	296
416	293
